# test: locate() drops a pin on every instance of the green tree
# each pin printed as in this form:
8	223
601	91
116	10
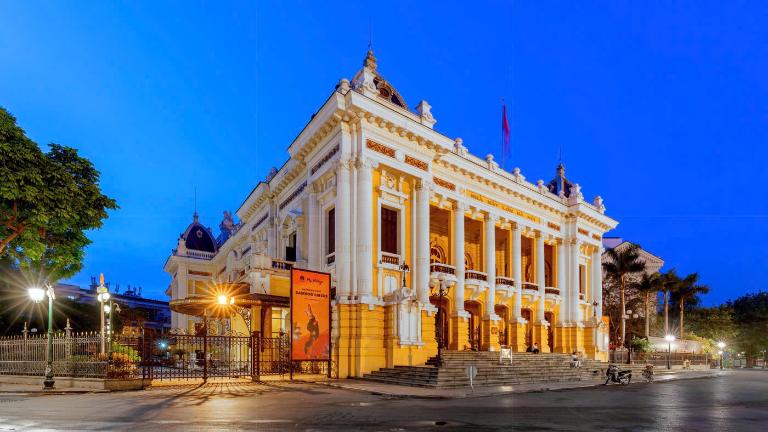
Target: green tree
649	285
621	267
715	323
687	290
750	312
47	202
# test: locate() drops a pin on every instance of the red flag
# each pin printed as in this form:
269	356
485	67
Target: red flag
504	132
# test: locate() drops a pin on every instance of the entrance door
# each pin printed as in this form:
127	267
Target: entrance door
473	308
503	313
550	317
442	325
527	315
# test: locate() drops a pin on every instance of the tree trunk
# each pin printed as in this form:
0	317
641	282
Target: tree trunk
647	317
666	312
623	311
682	305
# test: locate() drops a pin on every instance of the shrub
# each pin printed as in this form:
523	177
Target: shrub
641	344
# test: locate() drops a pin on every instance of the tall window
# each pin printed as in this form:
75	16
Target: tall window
290	248
581	280
388	230
331	232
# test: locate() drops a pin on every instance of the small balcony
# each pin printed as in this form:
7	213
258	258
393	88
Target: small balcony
475	276
282	265
530	286
390	259
505	281
200	254
330	259
552	290
442	268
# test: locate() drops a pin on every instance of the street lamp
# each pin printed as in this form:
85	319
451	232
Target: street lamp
102	296
669	338
721	345
37	295
442	290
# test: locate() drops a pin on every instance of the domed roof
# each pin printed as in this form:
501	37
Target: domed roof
198	237
560	183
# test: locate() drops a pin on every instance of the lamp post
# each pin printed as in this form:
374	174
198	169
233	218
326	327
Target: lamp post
37	295
669	338
721	345
102	297
441	292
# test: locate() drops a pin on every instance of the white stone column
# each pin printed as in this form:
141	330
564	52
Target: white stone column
517	272
364	235
597	281
540	279
343	249
300	253
574	285
565	307
315	250
421	259
490	263
458	254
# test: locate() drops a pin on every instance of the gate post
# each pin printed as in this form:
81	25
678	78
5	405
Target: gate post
205	347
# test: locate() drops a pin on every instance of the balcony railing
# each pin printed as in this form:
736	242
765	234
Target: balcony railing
389	258
282	265
581	296
552	290
503	280
200	254
530	286
476	275
442	268
330	258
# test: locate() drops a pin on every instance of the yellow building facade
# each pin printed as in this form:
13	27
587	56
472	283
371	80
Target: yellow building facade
425	242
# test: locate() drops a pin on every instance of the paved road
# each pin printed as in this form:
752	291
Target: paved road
737	401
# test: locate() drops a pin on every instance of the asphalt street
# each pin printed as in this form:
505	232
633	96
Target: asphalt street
737	401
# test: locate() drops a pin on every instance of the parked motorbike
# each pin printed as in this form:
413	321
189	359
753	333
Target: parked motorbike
648	373
618	376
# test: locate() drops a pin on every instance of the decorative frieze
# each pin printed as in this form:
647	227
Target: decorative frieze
198	273
293	195
583	232
380	148
417	163
596	236
554	226
444	184
476	196
325	159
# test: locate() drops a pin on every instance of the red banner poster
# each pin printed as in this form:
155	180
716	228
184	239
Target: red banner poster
310	315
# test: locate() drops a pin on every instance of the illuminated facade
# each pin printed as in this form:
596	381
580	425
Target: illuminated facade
392	209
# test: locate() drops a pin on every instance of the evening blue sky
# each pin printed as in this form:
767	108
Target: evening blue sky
659	107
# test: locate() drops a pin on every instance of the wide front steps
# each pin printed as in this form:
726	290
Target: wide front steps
526	368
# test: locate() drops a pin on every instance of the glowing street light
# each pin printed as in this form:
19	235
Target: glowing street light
669	338
222	299
37	295
102	297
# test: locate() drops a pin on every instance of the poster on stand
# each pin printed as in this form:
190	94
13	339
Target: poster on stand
310	315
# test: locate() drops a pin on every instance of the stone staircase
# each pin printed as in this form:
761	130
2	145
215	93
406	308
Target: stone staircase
526	368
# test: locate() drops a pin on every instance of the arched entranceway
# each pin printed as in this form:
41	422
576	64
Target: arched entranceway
528	316
442	324
503	313
475	314
550	317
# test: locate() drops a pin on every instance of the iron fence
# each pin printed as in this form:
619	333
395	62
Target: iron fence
659	358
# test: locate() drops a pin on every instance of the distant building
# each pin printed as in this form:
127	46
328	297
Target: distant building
139	312
652	262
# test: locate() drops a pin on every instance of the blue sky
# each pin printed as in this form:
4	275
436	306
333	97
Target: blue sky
659	107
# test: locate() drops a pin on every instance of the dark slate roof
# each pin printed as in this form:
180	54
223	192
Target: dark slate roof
198	237
560	183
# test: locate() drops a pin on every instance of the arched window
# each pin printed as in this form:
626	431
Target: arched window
468	264
437	255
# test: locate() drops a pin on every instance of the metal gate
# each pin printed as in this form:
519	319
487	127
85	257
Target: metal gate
272	356
183	357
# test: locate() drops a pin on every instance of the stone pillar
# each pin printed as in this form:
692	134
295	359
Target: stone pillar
561	283
315	253
490	326
517	327
300	252
364	234
343	223
597	282
421	264
574	292
541	328
459	319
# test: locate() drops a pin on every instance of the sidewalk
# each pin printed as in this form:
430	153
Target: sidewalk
25	389
399	391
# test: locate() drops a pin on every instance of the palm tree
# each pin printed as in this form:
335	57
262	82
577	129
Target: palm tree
649	285
688	289
670	282
621	266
